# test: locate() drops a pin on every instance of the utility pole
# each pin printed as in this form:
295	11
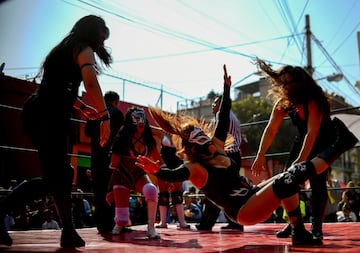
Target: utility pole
358	39
309	67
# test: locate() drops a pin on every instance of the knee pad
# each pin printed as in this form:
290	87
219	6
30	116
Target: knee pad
164	199
285	185
176	197
302	171
150	192
288	183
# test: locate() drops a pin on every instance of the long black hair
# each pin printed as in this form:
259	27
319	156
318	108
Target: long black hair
294	86
126	133
88	31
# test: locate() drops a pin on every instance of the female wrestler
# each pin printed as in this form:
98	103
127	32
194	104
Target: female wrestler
133	139
297	95
50	107
173	190
208	167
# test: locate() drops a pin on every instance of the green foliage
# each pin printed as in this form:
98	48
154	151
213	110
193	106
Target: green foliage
212	95
254	114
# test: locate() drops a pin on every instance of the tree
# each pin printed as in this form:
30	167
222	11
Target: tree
254	114
212	95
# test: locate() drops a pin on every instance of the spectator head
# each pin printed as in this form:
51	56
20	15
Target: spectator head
112	97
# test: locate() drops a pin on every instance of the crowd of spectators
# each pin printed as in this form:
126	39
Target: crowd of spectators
41	213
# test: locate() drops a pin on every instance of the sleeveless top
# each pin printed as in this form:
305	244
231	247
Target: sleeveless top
325	137
52	103
61	80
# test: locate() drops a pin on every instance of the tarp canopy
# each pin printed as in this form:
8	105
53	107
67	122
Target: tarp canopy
352	121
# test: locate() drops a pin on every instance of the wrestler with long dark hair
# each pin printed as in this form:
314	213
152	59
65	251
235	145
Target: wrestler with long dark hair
68	64
134	138
297	95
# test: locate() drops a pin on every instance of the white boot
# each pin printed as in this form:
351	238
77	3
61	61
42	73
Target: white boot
181	216
116	230
152	209
163	216
122	219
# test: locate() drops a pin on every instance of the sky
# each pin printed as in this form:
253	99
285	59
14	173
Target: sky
172	51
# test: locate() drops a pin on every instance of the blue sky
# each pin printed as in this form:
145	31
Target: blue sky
180	46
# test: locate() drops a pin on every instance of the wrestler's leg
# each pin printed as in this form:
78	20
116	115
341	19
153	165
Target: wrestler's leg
163	208
121	199
260	206
178	201
150	192
121	195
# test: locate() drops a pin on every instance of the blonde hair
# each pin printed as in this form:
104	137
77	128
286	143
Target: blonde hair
180	126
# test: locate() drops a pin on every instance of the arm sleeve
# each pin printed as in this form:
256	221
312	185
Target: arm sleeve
168	154
224	115
179	174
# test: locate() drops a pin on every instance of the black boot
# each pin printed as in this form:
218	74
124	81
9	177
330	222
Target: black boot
285	232
345	140
300	236
69	237
209	217
233	225
319	208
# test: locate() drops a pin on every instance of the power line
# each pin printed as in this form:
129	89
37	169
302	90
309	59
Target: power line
207	50
164	30
143	85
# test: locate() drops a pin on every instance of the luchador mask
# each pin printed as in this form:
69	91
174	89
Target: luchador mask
138	116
